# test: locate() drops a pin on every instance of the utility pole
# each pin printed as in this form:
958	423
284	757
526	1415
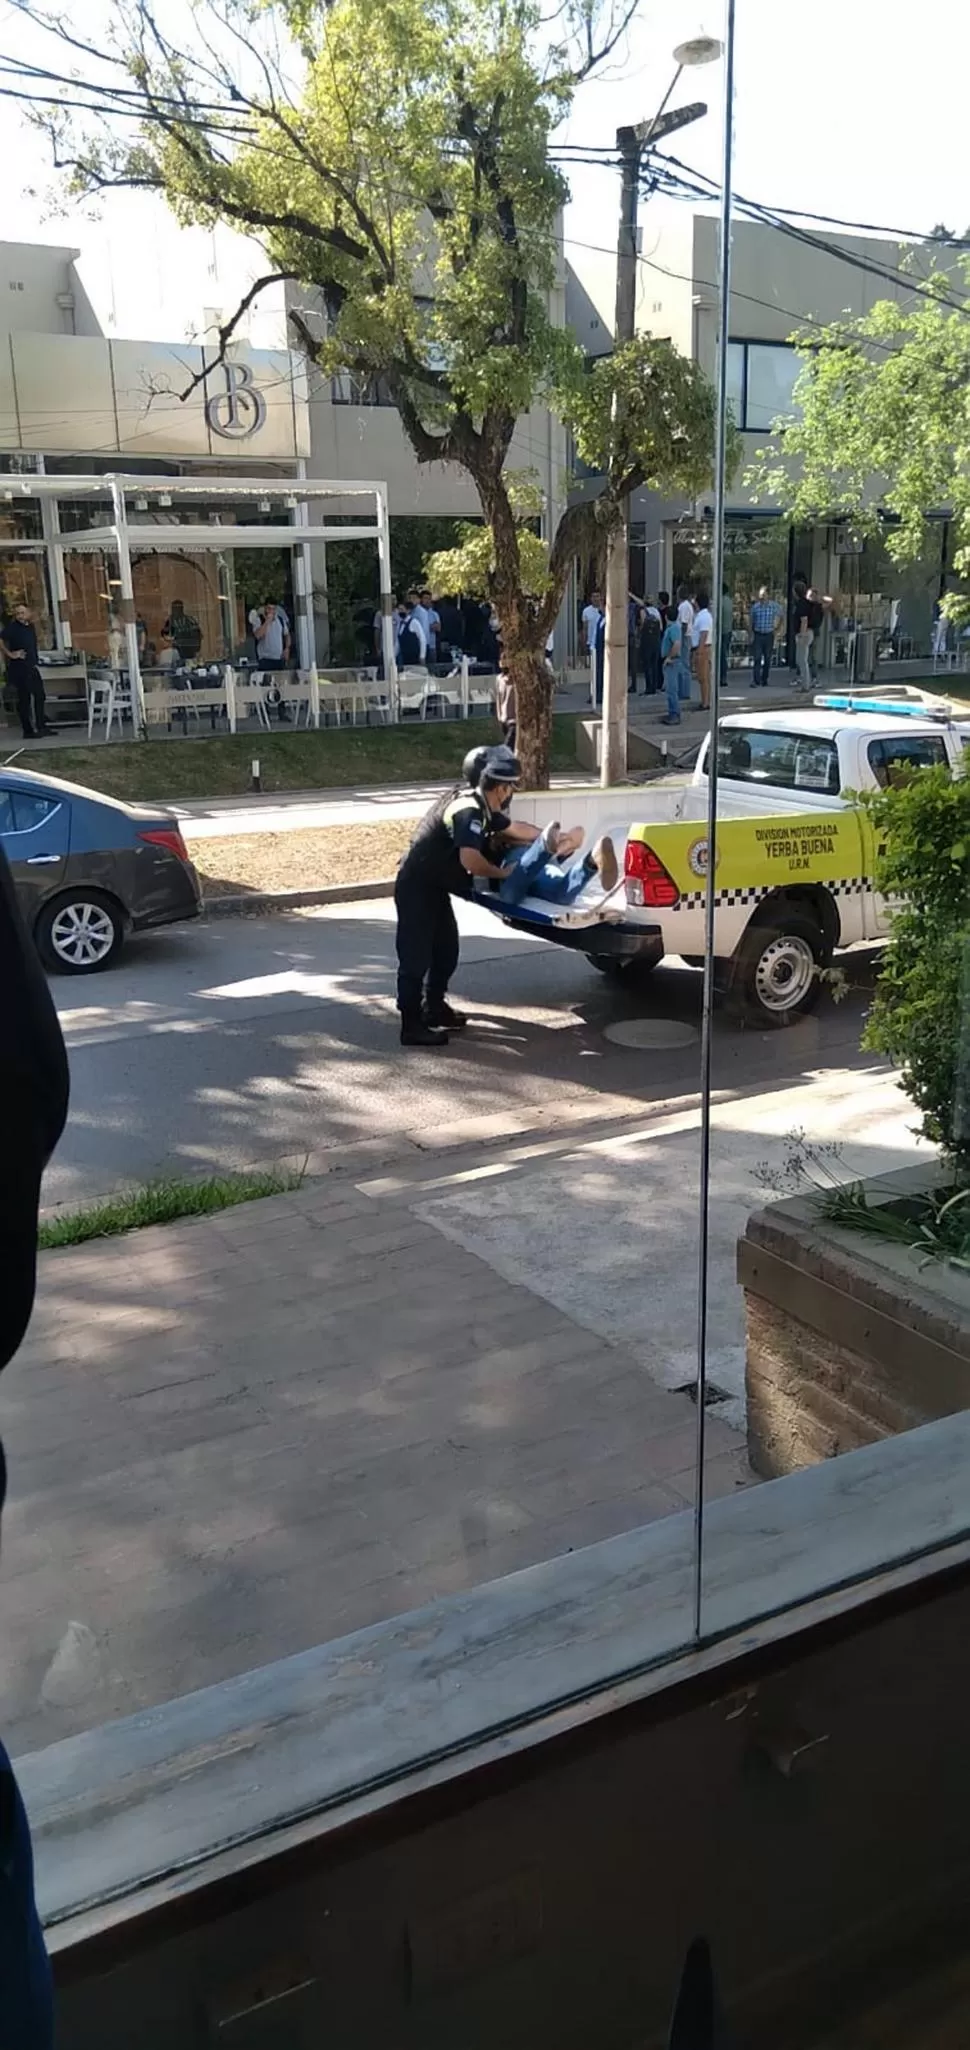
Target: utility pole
631	144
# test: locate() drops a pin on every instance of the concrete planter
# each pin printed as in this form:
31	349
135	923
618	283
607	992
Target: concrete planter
849	1339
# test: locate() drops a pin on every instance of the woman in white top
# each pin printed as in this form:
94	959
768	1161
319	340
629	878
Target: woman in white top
703	637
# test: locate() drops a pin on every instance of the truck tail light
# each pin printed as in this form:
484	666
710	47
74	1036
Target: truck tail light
168	837
648	882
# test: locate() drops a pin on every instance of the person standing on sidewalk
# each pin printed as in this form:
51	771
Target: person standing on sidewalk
802	613
34	1065
685	620
703	640
727	629
765	615
18	644
670	656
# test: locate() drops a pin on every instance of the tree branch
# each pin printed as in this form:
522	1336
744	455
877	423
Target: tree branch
226	332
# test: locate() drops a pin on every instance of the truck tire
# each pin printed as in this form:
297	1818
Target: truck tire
776	974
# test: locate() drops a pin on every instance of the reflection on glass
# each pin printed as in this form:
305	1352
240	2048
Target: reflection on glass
771	375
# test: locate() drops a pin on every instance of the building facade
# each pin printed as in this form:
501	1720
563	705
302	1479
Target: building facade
779	286
77	399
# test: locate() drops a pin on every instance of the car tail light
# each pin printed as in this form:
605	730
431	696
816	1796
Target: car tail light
647	880
168	837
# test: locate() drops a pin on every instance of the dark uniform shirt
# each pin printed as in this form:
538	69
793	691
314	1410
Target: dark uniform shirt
19	634
461	819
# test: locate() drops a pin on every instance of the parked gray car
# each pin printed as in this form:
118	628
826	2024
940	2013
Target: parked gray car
89	869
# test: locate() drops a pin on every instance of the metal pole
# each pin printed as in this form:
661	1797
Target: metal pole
616	663
387	630
128	607
303	581
717	580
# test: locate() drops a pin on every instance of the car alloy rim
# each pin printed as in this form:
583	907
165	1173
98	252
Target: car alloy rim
785	973
82	934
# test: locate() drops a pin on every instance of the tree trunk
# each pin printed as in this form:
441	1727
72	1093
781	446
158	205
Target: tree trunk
533	683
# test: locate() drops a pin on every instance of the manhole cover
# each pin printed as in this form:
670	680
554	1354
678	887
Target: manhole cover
651	1034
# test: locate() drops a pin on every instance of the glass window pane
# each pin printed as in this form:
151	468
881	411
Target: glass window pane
788	761
30	812
735	381
771	376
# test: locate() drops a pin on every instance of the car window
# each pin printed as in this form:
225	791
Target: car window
6	812
794	761
29	811
906	751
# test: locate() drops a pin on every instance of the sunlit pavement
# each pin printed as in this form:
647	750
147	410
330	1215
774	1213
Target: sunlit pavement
461	1350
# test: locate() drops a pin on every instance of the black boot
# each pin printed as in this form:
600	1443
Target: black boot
438	1012
415	1032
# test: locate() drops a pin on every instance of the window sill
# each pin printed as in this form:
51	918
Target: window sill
133	1814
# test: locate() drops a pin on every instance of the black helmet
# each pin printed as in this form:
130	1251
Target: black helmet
472	766
501	766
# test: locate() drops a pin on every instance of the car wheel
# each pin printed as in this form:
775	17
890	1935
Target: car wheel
79	933
776	980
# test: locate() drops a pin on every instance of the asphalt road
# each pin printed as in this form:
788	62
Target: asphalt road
252	1040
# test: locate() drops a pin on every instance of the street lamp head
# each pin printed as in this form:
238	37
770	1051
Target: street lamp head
699	50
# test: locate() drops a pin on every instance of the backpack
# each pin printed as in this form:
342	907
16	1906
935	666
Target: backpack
408	647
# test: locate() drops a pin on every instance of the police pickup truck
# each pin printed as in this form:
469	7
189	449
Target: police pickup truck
795	849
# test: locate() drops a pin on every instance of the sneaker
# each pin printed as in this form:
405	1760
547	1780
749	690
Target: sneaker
670	722
444	1015
550	837
414	1032
604	855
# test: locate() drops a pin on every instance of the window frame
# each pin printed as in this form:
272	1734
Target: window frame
746	343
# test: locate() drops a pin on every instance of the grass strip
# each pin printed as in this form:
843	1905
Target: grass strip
162	1202
335	758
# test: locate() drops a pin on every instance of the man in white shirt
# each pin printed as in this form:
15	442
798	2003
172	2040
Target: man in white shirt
272	636
685	621
703	640
590	621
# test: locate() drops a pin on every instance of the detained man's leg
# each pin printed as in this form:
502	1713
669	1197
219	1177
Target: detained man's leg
555	881
444	960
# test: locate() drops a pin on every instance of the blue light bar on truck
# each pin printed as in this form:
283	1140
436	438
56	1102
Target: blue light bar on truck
888	708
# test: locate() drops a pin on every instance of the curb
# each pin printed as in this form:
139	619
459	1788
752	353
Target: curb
293	900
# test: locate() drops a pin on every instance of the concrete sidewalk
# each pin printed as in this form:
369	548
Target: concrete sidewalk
232	1439
237	1437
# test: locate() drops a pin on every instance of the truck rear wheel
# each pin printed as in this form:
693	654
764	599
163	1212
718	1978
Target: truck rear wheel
776	978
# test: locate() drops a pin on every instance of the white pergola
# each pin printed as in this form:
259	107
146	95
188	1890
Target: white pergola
123	536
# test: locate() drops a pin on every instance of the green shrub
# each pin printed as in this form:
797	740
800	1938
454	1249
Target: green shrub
920	1014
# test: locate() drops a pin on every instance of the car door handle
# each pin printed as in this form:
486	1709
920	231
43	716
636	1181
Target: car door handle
41	860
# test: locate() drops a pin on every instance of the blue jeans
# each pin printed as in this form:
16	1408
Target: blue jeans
672	675
536	874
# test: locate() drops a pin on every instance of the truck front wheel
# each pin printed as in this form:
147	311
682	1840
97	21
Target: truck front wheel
776	978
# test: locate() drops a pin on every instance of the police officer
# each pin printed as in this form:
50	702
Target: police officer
455	842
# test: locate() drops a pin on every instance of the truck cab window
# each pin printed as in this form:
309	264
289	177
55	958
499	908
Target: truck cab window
903	754
789	761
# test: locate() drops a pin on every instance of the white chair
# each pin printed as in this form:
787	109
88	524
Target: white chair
101	703
413	686
481	693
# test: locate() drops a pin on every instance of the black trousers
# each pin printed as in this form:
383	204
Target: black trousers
427	944
29	689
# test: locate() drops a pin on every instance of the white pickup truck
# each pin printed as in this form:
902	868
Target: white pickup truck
795	849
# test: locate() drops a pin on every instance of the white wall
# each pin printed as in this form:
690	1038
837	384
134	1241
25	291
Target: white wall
41	292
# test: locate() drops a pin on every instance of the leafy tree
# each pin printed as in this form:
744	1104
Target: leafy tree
403	189
922	1005
883	421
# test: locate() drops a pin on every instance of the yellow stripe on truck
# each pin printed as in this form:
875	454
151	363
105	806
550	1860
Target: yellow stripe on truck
756	855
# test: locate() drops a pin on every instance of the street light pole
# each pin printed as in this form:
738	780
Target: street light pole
631	144
717	599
